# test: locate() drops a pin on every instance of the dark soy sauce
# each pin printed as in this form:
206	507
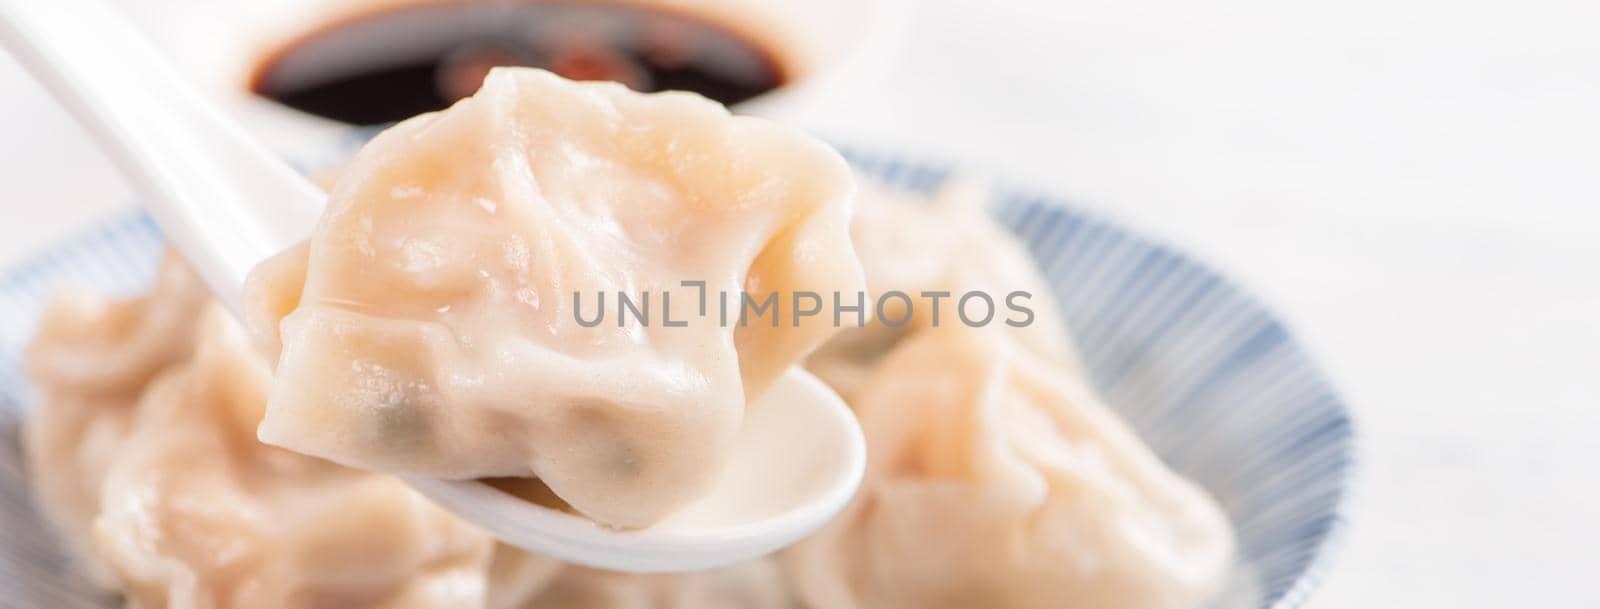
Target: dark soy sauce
392	65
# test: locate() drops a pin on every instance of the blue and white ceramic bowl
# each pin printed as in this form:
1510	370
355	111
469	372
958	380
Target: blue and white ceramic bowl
1209	378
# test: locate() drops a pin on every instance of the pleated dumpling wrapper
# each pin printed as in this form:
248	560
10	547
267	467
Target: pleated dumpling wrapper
198	514
142	450
456	312
90	361
996	479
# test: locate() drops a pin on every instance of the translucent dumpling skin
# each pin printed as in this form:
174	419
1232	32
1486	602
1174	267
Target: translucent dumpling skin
997	480
429	326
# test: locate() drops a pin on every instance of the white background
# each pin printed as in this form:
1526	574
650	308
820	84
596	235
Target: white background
1415	184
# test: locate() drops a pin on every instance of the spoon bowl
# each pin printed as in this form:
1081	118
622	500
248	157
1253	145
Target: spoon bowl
226	203
799	425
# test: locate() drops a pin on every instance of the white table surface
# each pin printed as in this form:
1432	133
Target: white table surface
1415	184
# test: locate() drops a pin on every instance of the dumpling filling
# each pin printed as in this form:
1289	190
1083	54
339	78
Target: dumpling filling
459	310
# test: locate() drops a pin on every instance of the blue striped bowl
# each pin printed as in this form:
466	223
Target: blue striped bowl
1209	378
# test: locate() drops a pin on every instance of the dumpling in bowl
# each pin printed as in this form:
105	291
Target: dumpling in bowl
996	479
142	448
197	514
438	322
943	243
90	360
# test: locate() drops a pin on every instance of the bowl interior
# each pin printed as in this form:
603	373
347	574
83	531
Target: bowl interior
1205	374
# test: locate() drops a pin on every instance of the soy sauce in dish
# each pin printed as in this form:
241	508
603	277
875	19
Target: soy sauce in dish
394	64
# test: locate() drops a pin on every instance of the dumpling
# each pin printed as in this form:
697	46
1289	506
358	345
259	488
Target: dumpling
90	360
756	584
516	576
141	447
996	479
197	514
944	242
437	321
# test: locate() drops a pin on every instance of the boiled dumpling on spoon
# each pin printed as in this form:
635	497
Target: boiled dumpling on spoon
513	287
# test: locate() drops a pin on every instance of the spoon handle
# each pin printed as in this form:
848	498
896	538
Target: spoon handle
224	200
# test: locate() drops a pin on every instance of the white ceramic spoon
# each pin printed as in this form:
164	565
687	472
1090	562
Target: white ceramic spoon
227	203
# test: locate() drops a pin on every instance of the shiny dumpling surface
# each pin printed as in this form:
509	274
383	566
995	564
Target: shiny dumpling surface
997	479
428	327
